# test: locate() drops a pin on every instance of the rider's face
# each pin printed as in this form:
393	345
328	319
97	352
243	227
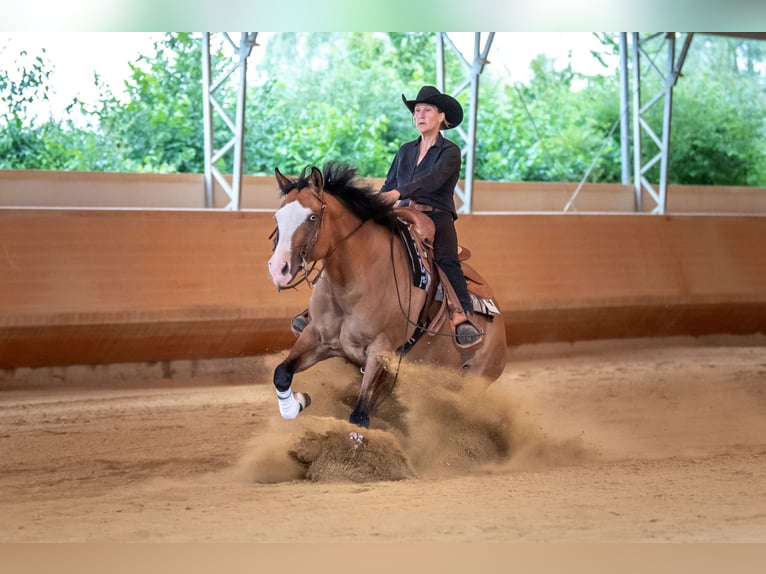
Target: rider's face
428	118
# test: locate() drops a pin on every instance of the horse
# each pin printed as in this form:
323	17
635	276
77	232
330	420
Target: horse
363	306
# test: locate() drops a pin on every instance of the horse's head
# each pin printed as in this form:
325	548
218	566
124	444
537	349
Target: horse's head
319	212
299	222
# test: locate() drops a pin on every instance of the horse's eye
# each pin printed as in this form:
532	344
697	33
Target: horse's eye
313	217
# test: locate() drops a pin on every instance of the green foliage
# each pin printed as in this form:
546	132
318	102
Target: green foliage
719	127
546	130
21	141
160	127
321	96
718	140
344	105
719	116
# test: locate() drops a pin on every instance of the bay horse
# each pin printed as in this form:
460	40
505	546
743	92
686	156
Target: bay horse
363	304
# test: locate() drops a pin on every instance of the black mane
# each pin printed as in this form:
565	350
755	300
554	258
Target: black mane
340	181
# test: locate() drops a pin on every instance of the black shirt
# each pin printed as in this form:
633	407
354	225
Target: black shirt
431	182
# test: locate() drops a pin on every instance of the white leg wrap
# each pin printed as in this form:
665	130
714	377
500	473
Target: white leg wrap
288	406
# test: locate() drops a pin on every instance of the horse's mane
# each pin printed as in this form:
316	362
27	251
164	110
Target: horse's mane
340	181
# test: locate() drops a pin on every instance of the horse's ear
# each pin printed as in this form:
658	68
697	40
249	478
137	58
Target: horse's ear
316	181
282	181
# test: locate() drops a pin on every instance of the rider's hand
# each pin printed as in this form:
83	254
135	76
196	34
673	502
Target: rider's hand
390	197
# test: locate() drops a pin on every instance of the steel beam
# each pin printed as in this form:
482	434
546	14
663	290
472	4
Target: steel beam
212	106
641	122
624	107
473	70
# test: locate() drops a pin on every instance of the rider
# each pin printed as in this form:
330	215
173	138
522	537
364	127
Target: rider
424	173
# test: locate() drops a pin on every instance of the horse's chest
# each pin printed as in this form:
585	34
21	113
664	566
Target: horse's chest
349	338
351	319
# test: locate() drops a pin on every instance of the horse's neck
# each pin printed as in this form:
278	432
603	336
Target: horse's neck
362	259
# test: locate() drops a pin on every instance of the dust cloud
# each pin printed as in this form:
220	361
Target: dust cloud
437	423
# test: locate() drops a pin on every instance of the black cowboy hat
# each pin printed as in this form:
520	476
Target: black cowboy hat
453	111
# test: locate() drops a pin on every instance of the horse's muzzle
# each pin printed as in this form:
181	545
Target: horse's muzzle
282	269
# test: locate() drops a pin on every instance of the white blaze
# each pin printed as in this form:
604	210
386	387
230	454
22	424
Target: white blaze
289	219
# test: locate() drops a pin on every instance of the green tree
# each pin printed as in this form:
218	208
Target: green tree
160	127
21	141
342	103
719	118
317	97
546	130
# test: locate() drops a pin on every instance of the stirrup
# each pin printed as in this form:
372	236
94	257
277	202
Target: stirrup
466	334
299	323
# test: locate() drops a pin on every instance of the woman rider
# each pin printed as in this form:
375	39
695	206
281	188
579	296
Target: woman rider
424	173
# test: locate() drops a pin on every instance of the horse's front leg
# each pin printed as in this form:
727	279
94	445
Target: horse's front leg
306	352
377	384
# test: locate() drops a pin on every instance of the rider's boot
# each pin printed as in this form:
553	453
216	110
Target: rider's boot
466	333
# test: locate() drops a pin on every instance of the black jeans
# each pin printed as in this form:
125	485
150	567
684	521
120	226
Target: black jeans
445	253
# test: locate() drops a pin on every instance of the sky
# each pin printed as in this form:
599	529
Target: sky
75	56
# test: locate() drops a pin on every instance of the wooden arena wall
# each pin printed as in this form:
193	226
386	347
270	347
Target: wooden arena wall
33	188
82	286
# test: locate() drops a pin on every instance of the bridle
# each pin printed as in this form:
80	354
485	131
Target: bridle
316	220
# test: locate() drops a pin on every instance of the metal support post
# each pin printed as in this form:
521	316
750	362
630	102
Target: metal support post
207	119
624	109
641	123
473	70
237	126
667	115
440	60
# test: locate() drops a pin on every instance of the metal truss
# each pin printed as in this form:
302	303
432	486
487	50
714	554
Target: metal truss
473	70
668	71
237	125
641	122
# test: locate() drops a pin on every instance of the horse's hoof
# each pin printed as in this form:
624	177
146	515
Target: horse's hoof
303	400
356	439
